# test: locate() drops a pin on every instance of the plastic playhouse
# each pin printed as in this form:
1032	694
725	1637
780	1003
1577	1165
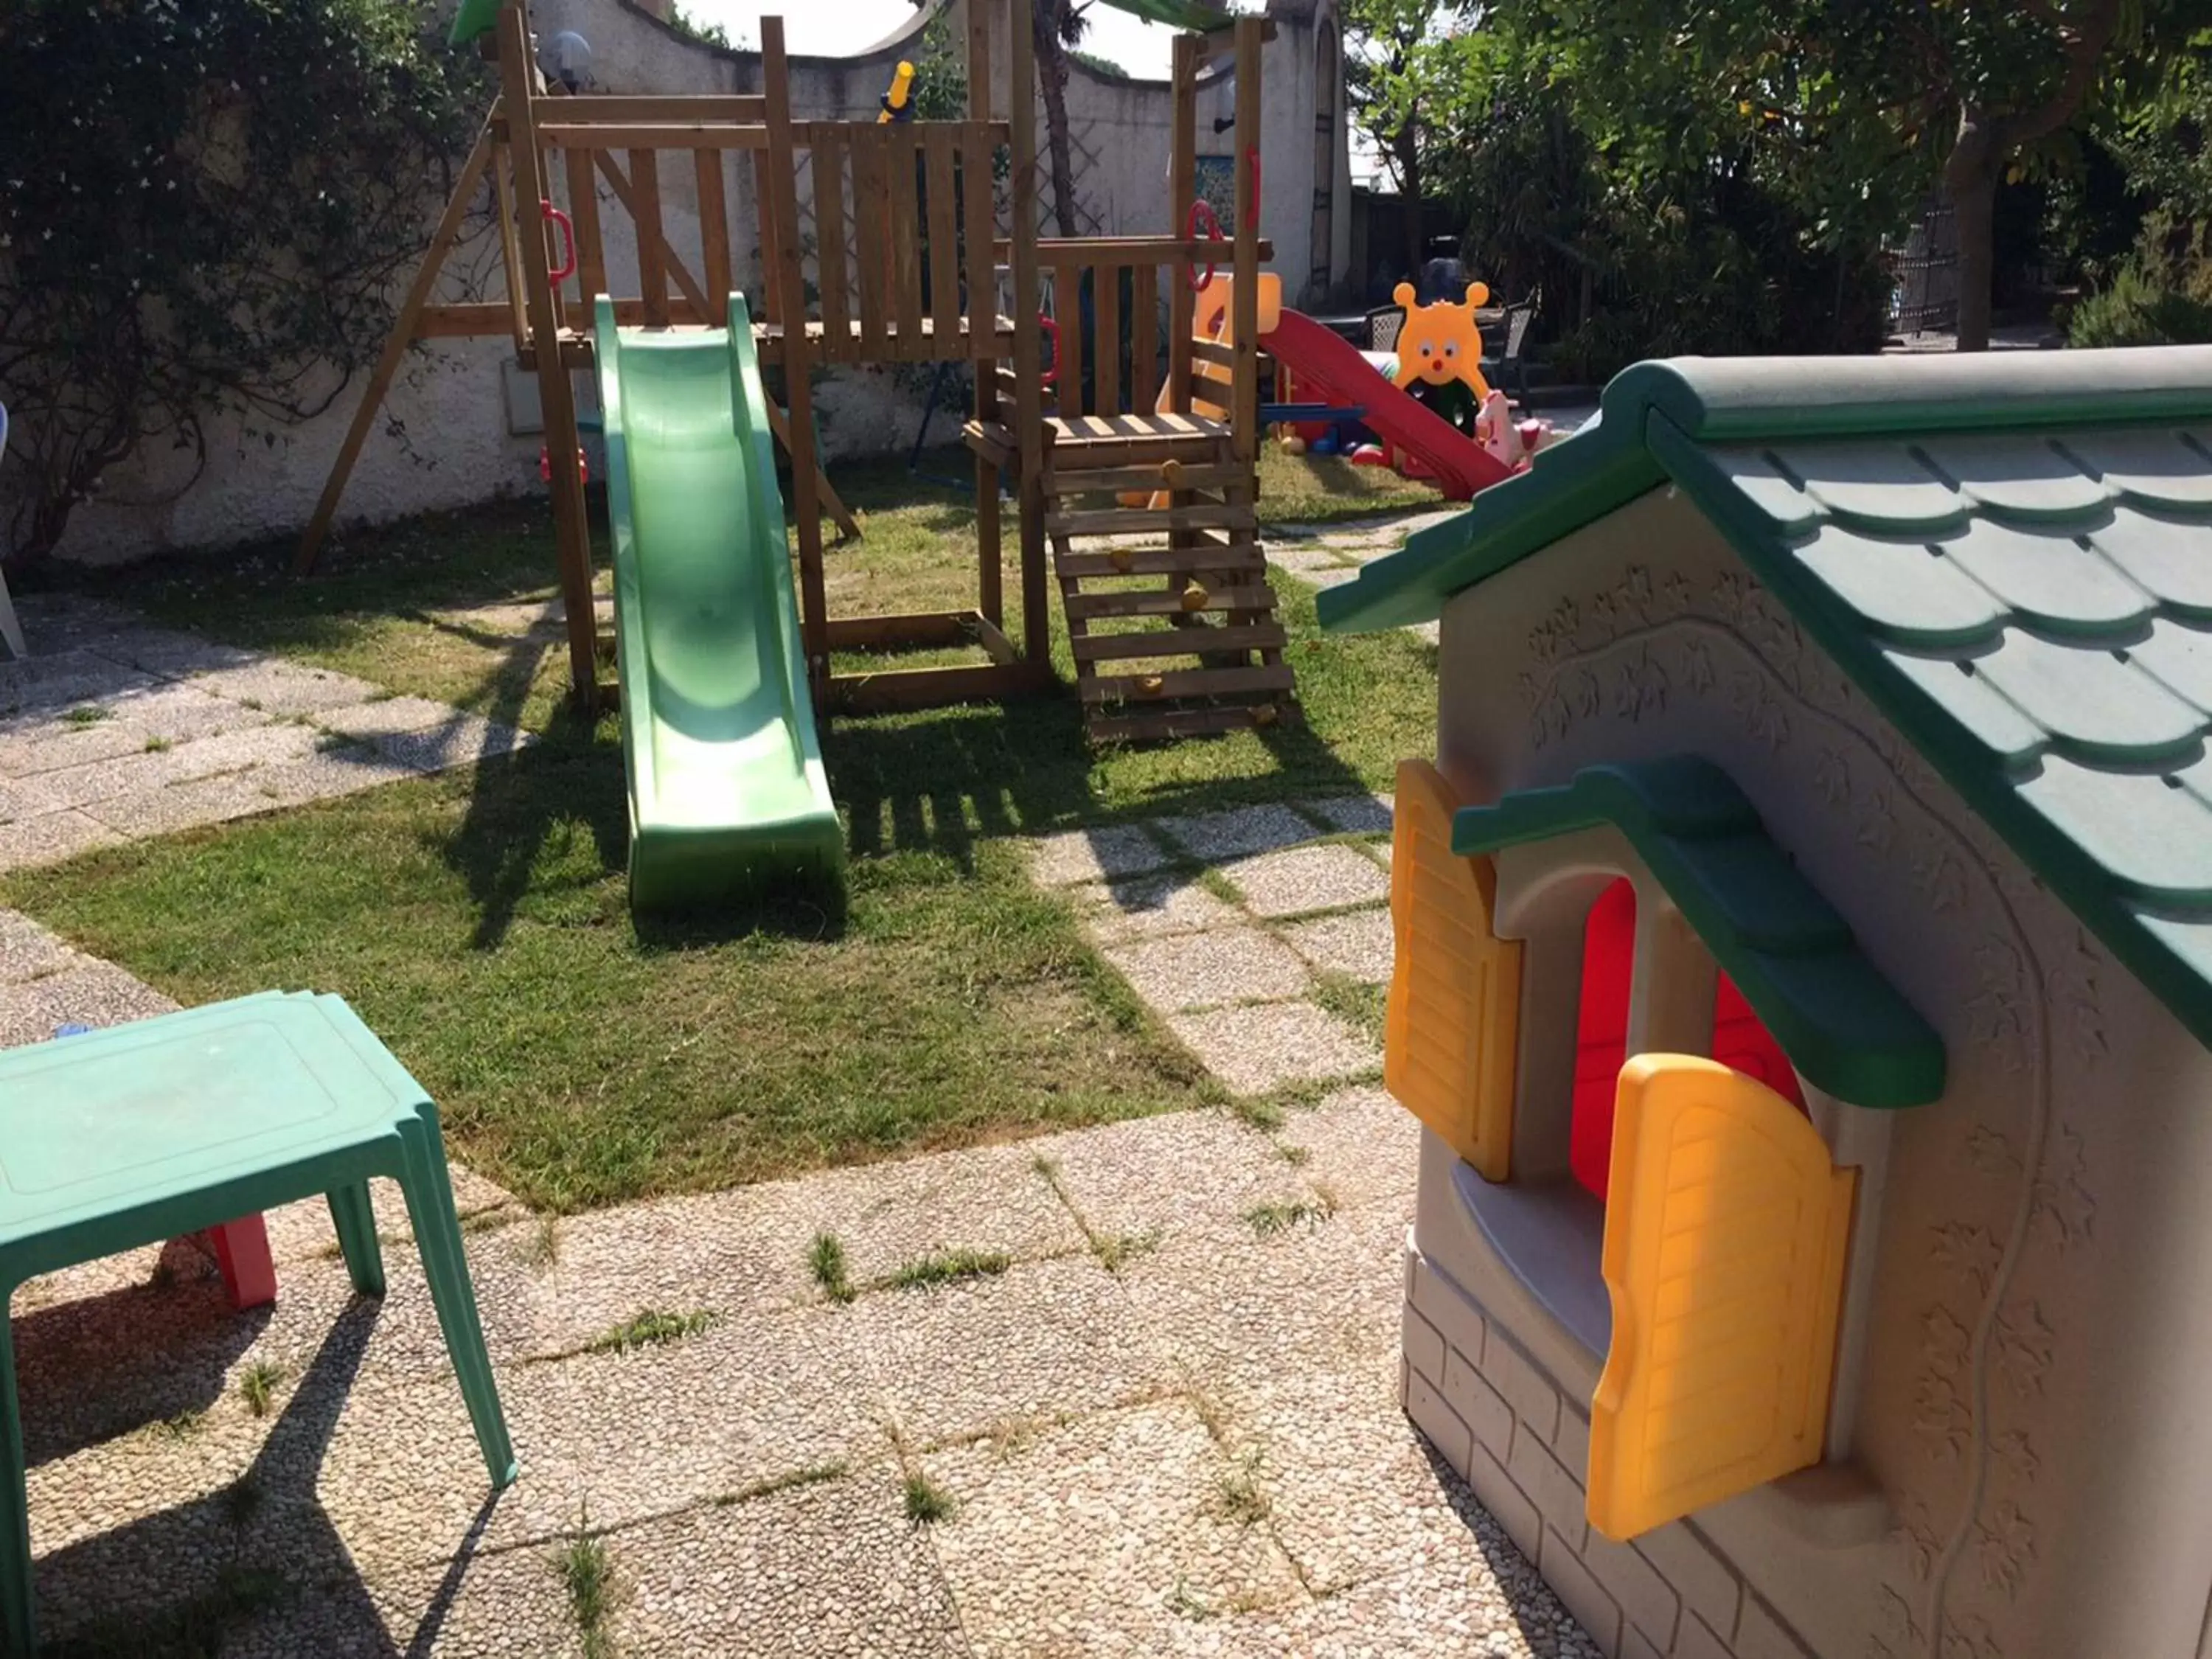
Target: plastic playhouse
1804	972
910	254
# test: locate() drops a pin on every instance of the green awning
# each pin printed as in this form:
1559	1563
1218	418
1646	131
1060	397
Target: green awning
1848	1031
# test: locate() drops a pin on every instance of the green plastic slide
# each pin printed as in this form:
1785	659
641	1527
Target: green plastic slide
727	796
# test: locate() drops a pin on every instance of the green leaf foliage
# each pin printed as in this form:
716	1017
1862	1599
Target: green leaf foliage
205	208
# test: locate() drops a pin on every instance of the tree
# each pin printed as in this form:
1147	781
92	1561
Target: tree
1058	26
1859	108
1394	79
202	208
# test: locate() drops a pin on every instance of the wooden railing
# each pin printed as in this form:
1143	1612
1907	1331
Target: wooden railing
1114	299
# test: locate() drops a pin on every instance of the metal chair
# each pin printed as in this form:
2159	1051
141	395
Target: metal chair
1383	325
1512	362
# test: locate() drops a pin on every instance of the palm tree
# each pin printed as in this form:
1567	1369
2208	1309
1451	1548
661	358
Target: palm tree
1058	26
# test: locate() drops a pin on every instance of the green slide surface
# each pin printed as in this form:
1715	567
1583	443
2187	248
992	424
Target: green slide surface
727	797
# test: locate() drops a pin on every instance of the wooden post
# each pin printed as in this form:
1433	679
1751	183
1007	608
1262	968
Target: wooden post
1245	292
713	231
1028	411
1183	190
395	348
556	392
780	222
976	187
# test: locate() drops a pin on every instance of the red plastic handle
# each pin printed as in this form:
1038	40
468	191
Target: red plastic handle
1051	376
1202	209
568	241
1252	215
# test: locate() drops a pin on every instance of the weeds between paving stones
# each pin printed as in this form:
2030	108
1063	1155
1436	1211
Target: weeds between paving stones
586	1570
1293	1155
1283	1214
927	1503
183	1425
1112	1250
813	1475
651	1327
825	1261
1238	1496
258	1387
543	1247
87	713
1354	1001
949	1267
1254	1113
158	745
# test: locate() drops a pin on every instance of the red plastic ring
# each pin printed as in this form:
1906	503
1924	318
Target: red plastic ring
1202	209
567	267
1051	376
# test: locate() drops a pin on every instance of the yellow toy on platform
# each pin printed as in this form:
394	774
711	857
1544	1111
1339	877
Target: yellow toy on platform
1440	344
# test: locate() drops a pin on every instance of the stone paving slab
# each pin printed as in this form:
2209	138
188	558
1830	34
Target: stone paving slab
1320	1295
1200	970
28	951
1077	855
1359	943
89	993
819	1571
23	798
283	687
1300	880
1366	815
756	1399
1263	1047
126	730
1358	1144
458	740
1237	832
1101	1537
507	1605
1043	1338
1148	906
148	771
886	1215
735	1253
1191	1176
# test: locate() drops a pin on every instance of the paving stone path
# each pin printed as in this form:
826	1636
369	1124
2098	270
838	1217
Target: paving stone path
1166	1423
1233	926
117	729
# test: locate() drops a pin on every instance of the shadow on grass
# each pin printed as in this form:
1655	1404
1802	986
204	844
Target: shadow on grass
940	782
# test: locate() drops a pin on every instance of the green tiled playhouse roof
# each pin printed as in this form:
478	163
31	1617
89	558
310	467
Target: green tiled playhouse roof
2011	554
1843	1025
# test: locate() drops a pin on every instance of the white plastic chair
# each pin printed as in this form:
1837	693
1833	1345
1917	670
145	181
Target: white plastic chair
11	631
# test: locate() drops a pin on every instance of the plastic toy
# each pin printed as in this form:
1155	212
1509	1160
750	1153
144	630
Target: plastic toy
898	101
1440	347
1801	980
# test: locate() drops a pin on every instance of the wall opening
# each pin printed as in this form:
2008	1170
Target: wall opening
1601	1029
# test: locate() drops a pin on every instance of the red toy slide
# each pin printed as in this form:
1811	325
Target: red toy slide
1329	370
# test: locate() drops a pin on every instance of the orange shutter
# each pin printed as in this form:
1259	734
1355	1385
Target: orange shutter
1725	1231
1455	1013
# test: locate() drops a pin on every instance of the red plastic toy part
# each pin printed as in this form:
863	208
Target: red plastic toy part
1051	326
1252	214
567	267
1202	209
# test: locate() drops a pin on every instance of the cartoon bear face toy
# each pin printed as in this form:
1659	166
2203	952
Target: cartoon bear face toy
1439	344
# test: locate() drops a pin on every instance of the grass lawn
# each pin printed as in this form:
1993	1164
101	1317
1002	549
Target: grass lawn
479	922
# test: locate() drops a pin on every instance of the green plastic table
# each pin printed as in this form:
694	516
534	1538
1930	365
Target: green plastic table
139	1133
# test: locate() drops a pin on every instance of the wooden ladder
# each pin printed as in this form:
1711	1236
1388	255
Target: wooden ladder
1169	640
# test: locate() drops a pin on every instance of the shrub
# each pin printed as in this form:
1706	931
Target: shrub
204	205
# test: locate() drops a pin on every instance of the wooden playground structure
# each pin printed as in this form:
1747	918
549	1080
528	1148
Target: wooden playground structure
907	263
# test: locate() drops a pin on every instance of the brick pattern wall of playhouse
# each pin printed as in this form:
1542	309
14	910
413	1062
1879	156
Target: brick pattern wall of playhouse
1497	1417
